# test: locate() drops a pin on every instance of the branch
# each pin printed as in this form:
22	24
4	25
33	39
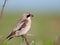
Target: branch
25	38
3	8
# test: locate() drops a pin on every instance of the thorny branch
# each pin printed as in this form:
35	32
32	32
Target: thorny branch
3	8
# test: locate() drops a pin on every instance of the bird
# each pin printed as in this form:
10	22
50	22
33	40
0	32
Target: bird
22	27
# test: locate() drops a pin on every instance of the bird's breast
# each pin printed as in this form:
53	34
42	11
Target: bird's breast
26	29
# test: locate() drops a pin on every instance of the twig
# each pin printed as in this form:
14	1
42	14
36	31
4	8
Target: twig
25	38
3	8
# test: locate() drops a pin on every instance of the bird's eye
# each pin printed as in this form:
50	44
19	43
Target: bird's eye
28	16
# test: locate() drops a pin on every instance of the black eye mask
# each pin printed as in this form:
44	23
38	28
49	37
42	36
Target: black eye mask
28	16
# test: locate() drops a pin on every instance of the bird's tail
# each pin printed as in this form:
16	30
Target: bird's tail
10	36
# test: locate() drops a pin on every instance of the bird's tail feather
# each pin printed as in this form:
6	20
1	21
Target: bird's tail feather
9	36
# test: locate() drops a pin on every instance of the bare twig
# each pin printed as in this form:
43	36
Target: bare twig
25	38
3	8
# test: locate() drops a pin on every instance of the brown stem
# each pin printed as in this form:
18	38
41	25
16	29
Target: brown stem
25	38
3	8
56	40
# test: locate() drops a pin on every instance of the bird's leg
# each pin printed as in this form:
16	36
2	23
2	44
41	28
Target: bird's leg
25	38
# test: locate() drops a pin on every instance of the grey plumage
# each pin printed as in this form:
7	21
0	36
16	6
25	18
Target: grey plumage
22	27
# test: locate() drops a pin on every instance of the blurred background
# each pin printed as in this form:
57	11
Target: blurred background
45	28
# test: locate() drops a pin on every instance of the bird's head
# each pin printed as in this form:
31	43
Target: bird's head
27	15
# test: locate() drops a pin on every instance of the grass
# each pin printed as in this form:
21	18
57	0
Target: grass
44	29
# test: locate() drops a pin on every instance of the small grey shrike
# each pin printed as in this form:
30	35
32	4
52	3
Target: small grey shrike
22	27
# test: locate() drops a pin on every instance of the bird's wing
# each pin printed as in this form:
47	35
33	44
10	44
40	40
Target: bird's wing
20	25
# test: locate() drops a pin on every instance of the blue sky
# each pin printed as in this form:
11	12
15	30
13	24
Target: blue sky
32	5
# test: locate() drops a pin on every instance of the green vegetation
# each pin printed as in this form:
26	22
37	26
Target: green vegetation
44	29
